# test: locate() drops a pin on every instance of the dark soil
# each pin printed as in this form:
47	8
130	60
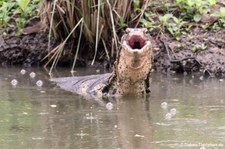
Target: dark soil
31	46
199	52
24	50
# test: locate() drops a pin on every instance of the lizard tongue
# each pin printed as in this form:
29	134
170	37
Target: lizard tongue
136	42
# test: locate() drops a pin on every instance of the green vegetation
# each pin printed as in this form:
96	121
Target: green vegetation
109	15
16	13
221	17
98	22
199	47
172	24
175	17
193	9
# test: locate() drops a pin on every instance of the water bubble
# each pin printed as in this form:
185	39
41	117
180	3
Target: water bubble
164	105
43	113
221	80
14	82
39	83
139	136
109	106
173	111
32	75
23	71
168	116
43	92
38	138
53	106
201	78
173	72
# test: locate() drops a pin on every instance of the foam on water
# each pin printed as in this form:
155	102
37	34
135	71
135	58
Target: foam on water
32	74
14	82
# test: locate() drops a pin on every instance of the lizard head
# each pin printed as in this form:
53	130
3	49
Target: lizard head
136	42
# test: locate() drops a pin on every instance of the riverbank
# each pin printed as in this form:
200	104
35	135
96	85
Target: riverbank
189	37
198	52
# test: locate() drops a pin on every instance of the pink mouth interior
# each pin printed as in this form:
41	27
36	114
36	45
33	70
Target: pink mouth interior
136	42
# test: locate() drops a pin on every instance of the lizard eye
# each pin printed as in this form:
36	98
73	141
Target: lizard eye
146	31
127	31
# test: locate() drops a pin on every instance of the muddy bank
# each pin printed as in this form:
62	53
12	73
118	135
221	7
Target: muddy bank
26	50
198	52
31	47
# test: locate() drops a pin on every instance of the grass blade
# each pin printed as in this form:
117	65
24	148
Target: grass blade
113	25
51	24
78	47
59	51
97	33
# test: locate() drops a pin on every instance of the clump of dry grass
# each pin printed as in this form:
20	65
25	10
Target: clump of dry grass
99	21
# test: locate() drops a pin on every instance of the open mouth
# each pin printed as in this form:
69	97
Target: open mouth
136	42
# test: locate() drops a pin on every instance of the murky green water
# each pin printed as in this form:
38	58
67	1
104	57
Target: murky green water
46	117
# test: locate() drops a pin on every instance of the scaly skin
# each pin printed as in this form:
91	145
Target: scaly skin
133	65
131	70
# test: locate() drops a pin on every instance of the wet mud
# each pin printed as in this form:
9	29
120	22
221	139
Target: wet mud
24	50
199	52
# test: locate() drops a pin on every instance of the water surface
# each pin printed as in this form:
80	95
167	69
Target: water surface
47	117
